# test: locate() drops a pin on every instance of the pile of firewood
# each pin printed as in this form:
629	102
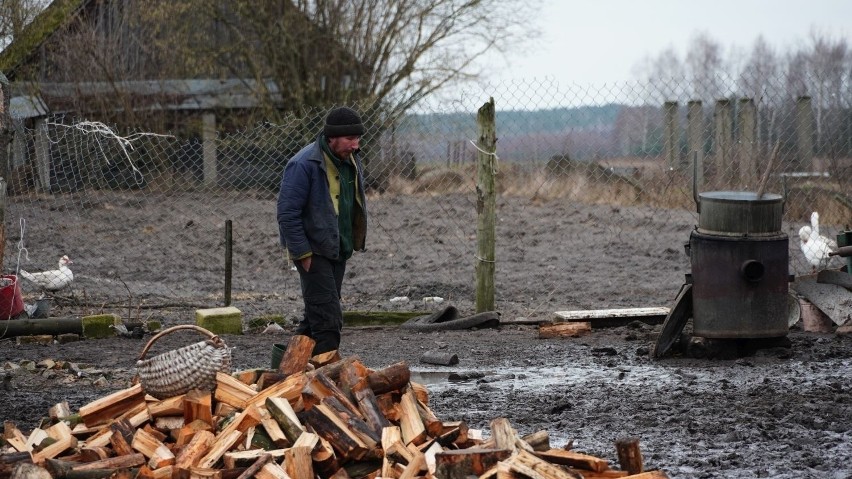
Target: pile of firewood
323	417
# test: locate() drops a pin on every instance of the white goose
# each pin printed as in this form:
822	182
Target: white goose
814	246
54	279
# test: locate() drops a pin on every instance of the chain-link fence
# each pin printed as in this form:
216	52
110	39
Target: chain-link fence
594	185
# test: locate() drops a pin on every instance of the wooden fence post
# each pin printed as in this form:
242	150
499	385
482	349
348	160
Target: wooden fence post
486	170
5	140
747	143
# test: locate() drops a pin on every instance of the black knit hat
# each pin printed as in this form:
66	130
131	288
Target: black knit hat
343	121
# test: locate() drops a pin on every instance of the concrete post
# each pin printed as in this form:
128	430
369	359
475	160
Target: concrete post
695	139
722	143
670	139
747	143
804	134
208	131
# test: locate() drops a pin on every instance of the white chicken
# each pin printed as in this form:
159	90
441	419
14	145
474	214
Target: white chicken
54	279
814	246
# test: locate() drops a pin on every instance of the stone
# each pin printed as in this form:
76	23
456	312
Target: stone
224	320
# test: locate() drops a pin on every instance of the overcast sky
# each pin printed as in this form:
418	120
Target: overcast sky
601	41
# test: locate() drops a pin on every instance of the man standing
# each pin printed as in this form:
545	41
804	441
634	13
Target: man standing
322	219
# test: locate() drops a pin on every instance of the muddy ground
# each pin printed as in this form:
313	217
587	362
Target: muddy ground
783	411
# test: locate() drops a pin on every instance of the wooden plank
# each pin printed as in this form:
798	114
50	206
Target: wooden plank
113	405
831	299
608	318
574	459
296	356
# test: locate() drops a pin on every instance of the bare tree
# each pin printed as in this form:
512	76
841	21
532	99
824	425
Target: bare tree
705	67
15	15
758	80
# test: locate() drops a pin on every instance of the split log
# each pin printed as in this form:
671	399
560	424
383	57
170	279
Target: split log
297	462
273	429
286	418
564	330
434	426
122	436
413	430
190	455
188	431
574	459
328	425
158	454
113	405
322	359
59	411
539	440
420	391
289	389
453	433
332	370
629	455
261	461
320	387
272	471
169	423
544	468
325	460
296	356
198	405
224	441
459	464
64	441
369	407
172	406
389	406
353	377
394	377
118	462
356	424
244	459
415	467
232	391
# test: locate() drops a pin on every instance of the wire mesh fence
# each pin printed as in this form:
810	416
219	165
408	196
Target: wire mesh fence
583	173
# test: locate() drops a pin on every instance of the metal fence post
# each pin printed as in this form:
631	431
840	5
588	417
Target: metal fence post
486	170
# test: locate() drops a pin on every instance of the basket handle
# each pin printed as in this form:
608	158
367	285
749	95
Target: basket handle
216	339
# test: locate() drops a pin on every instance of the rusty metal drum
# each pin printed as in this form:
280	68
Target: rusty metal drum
740	285
739	213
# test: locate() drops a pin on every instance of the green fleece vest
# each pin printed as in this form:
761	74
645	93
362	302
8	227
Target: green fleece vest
346	176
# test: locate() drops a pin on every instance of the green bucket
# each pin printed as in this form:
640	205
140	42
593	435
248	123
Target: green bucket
277	354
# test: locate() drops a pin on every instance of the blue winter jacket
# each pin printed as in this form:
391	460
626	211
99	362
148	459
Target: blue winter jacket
307	212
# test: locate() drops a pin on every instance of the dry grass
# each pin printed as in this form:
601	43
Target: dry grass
645	182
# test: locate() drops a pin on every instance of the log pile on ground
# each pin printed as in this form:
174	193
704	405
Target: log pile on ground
321	417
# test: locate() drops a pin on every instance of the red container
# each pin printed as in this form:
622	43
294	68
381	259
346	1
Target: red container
11	300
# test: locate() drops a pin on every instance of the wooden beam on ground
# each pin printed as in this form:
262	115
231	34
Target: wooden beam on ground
608	318
564	330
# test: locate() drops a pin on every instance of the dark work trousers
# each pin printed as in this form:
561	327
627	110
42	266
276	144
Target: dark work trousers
323	320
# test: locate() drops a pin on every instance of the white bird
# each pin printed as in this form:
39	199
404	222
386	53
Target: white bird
54	279
814	246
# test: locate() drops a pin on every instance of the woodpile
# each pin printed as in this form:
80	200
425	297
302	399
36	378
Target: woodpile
321	417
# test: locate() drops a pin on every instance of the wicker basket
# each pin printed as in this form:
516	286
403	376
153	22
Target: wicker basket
191	367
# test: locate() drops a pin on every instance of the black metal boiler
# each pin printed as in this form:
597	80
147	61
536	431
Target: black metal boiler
739	260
